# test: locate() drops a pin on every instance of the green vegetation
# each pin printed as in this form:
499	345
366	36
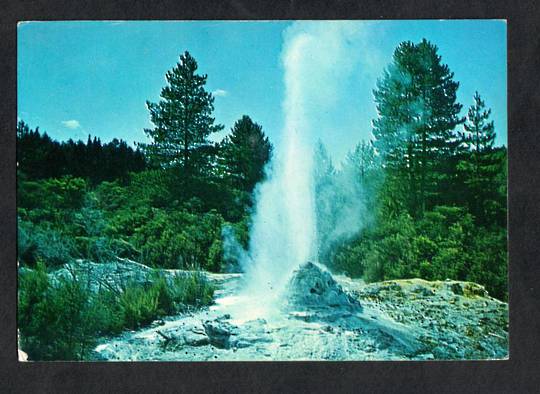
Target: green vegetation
61	319
139	305
434	197
40	157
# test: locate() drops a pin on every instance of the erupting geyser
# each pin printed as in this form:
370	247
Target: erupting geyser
283	233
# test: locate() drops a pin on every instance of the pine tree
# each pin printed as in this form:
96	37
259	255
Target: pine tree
414	132
182	122
245	153
362	161
481	162
479	133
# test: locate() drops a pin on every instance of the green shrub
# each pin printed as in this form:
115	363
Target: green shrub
31	291
138	306
107	312
64	193
375	269
349	256
191	289
153	187
125	221
393	253
42	242
56	321
111	196
444	243
489	261
179	239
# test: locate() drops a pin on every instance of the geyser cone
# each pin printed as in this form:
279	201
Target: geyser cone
312	287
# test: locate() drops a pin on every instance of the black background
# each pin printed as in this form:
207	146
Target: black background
519	374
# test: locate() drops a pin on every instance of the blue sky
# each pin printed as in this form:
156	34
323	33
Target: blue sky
80	78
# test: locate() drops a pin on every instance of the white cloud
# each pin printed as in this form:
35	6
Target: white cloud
220	93
71	124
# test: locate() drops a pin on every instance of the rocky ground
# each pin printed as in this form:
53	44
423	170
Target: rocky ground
325	317
453	320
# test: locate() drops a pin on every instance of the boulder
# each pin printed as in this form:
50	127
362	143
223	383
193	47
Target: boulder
219	333
190	334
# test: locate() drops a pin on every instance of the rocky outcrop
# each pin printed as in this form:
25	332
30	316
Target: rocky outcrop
217	333
313	287
452	319
115	275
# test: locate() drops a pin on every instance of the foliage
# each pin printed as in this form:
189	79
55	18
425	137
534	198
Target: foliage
444	244
139	305
56	321
61	319
40	157
180	239
153	188
52	197
191	289
414	132
182	122
245	152
41	242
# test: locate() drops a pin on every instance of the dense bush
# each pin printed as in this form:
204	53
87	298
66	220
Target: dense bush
349	256
61	319
444	244
138	306
42	242
54	195
62	219
180	239
490	262
191	289
56	321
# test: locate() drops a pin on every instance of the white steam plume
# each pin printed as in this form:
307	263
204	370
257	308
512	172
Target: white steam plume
317	61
